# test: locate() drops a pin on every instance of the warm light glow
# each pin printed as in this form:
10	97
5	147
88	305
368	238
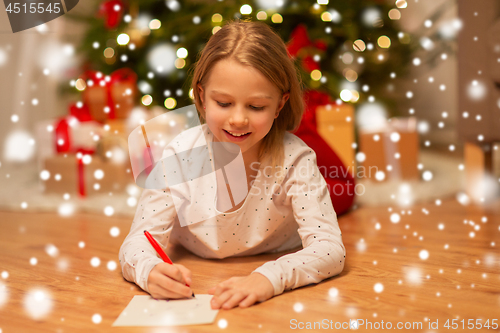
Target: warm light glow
359	45
277	18
182	53
215	29
180	63
384	42
322	2
351	75
347	58
316	75
262	15
401	4
170	103
216	18
345	95
109	52
155	24
147	100
394	14
326	17
246	10
80	84
123	39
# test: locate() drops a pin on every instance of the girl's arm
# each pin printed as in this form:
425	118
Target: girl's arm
323	253
155	213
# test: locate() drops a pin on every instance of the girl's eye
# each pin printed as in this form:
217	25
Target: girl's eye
223	104
257	108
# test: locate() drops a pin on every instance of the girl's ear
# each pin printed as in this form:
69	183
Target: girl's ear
200	92
282	102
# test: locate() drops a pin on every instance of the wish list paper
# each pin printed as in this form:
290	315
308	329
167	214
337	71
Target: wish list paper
144	310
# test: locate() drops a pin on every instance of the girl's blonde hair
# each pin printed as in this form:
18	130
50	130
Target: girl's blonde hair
255	44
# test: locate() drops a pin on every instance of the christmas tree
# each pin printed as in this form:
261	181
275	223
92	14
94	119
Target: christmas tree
341	48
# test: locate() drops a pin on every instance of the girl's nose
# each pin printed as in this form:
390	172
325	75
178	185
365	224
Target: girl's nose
238	118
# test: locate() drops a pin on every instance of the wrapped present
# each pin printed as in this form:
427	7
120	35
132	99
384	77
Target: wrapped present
112	96
113	148
84	174
335	124
482	170
392	150
117	126
81	135
67	135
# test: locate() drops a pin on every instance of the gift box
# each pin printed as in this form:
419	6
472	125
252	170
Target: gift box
117	126
482	170
113	148
110	97
391	150
83	174
335	124
66	135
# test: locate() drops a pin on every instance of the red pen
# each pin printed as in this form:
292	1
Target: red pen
159	250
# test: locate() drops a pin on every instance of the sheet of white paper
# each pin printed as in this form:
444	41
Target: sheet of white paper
143	310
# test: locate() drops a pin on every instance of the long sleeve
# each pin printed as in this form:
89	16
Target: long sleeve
323	253
155	213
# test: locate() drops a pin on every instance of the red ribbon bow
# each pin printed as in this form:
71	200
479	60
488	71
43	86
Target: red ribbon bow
62	132
63	140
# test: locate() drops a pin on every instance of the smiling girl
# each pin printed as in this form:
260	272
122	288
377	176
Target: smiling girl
247	92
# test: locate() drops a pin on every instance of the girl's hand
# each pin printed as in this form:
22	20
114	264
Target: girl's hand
242	291
166	281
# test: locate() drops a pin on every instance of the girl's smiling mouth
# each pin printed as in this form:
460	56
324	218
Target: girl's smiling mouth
234	136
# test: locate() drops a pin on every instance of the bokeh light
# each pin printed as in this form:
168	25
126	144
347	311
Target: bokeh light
216	18
147	100
122	39
170	103
394	14
245	9
155	24
277	18
384	42
359	45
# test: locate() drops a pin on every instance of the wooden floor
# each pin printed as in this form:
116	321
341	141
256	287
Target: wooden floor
459	280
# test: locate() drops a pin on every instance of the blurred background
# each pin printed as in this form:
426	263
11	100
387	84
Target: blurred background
404	92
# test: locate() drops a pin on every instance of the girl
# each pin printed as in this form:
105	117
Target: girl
247	92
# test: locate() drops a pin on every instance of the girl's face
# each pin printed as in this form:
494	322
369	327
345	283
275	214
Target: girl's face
240	100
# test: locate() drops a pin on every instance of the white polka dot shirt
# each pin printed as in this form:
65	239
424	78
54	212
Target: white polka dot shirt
277	215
